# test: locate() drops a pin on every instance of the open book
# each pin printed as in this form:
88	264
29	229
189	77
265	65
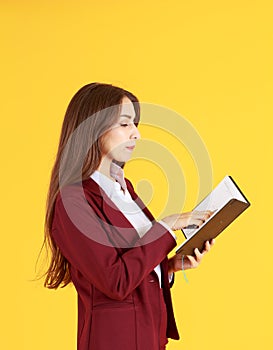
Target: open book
227	202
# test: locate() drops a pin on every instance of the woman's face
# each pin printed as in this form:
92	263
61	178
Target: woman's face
120	141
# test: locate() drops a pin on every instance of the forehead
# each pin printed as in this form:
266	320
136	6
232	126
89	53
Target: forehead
127	107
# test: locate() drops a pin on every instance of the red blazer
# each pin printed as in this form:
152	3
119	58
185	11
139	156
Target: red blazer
112	270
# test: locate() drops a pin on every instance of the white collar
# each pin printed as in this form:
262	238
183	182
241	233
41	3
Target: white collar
109	186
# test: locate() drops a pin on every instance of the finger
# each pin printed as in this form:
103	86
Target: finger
207	248
205	214
195	222
193	261
198	255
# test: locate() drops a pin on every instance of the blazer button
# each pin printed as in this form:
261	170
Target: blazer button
151	281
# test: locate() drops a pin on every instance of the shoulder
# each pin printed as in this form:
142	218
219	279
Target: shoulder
80	193
76	205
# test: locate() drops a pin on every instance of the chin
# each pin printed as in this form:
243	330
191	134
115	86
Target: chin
121	159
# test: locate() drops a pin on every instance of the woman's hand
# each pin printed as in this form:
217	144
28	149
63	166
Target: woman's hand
180	221
190	261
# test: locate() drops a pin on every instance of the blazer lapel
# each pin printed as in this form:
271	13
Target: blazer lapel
138	200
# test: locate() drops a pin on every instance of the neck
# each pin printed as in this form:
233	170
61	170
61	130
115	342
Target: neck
104	167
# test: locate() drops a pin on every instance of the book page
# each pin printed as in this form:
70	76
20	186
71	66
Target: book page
234	191
216	200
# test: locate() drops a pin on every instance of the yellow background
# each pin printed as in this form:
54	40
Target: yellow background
211	61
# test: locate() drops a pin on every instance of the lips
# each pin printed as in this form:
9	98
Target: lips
131	148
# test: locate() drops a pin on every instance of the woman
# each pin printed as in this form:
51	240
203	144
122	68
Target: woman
102	237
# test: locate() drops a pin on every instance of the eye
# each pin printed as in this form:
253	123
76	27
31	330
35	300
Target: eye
124	124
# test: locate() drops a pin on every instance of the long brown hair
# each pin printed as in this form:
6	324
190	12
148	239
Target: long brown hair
92	100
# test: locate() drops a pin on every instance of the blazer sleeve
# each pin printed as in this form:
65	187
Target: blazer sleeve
115	272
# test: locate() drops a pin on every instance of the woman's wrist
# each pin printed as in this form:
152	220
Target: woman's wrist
163	223
168	221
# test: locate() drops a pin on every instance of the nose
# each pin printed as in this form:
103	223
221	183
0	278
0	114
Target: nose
135	133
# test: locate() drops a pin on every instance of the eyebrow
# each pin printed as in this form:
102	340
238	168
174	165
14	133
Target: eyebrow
127	116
